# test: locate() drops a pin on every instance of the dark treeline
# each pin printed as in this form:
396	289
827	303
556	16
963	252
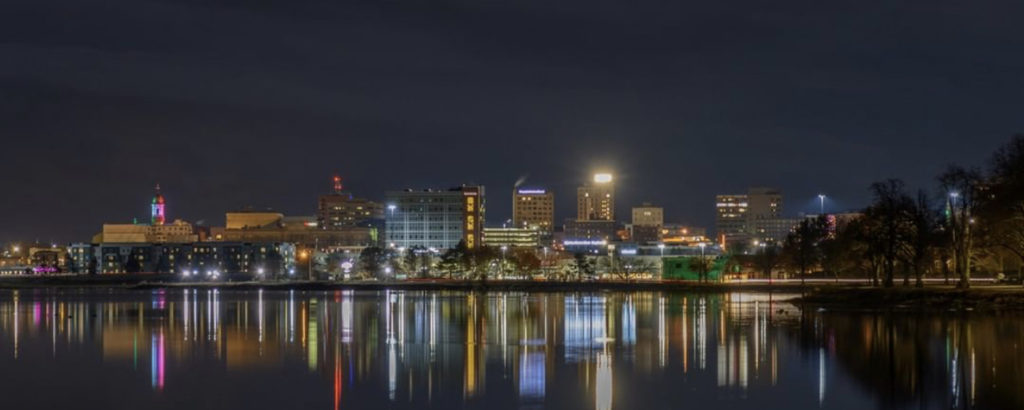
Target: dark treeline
971	221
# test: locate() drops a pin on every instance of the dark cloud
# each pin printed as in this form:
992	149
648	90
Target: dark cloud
233	103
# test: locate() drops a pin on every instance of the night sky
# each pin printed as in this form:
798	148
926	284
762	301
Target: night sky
258	102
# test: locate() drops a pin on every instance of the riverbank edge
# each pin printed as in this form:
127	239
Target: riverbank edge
933	298
838	296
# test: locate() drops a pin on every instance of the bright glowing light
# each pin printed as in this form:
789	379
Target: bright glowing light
661	246
602	178
259	271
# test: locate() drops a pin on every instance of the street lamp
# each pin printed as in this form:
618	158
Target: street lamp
821	197
661	247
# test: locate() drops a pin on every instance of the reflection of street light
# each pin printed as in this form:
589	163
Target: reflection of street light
702	261
504	249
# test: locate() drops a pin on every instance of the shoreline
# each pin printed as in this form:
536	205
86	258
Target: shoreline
822	296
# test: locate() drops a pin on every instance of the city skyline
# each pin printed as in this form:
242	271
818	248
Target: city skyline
208	100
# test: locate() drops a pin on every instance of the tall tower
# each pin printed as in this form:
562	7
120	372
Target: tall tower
337	184
596	201
157	212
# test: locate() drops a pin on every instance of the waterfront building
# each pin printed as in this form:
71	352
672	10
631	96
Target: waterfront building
202	259
534	208
595	201
435	218
512	237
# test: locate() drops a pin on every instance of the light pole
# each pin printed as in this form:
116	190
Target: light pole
821	198
661	247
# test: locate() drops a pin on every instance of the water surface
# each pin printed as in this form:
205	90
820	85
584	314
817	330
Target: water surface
209	349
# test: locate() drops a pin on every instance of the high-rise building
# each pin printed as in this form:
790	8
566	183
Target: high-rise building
595	201
647	222
340	209
764	203
435	219
754	216
534	208
648	215
731	217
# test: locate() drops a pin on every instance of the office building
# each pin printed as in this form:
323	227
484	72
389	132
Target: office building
512	237
648	215
340	209
576	230
647	222
303	231
534	208
201	259
434	218
731	218
751	218
595	201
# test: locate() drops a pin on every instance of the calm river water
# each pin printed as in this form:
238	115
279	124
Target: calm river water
208	349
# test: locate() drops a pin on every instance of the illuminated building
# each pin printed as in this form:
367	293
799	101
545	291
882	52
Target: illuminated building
201	258
304	231
683	234
157	231
648	215
731	217
594	230
534	208
595	201
157	209
435	219
647	222
772	231
339	209
754	216
512	237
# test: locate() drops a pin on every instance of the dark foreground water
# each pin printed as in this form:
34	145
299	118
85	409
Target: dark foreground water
204	349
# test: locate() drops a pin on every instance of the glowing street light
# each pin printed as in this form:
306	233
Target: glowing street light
821	197
661	247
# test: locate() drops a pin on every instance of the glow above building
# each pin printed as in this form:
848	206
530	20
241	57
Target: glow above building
602	178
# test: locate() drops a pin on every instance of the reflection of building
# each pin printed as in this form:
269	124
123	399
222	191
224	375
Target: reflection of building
534	208
512	237
435	219
339	209
595	201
